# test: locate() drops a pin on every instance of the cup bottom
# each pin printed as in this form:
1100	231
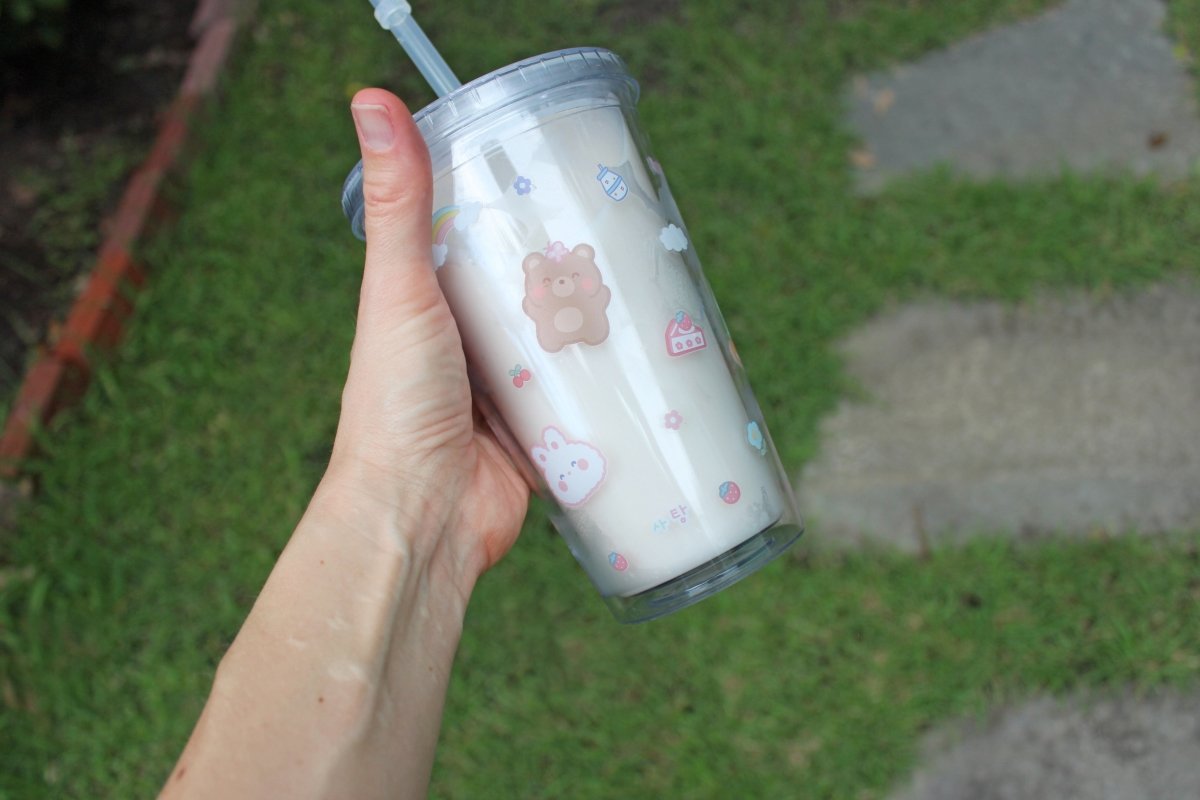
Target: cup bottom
708	578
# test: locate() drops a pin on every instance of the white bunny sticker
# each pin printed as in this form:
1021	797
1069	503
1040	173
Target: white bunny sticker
573	470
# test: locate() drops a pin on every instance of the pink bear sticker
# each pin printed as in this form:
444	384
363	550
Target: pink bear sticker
573	470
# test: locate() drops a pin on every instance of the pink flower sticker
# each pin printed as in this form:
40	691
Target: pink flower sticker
673	419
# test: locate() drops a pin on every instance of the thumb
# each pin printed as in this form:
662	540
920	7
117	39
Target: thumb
397	206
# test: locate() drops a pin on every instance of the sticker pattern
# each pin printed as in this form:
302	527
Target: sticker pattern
618	561
730	492
520	376
760	510
565	296
673	419
675	517
673	238
523	185
446	219
573	470
613	184
755	437
618	183
684	336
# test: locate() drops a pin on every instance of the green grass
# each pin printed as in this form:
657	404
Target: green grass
166	497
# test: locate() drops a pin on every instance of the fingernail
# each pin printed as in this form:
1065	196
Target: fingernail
374	125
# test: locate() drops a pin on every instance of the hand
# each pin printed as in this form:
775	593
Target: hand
407	424
334	686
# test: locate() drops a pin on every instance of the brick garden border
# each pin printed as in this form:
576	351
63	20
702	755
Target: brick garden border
96	320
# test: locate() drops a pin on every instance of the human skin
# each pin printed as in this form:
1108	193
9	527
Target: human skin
334	686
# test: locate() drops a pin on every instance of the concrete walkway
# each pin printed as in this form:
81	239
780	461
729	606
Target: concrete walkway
1091	85
1125	748
1069	414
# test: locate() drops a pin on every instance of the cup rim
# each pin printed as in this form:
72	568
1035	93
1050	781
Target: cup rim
529	77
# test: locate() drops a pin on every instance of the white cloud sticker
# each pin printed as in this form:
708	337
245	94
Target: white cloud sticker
468	214
673	238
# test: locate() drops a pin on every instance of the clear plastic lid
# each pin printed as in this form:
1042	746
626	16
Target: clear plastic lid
498	91
517	82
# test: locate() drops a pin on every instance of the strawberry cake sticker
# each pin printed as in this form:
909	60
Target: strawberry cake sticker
684	336
573	470
618	561
730	492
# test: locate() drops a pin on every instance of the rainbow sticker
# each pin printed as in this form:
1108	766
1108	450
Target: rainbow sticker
446	219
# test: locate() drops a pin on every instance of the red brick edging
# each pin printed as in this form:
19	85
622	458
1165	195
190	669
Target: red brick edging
96	320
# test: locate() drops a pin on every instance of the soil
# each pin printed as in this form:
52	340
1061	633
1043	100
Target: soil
74	121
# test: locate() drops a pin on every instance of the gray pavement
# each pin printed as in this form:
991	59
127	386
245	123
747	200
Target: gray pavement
1067	414
1123	748
1091	85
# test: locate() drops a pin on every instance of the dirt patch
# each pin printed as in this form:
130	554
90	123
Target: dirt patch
73	123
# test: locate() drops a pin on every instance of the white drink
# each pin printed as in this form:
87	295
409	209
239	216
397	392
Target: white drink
636	434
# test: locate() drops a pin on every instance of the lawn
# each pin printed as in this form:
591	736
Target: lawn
166	497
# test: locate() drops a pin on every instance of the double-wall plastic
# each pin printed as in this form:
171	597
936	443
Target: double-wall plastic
596	348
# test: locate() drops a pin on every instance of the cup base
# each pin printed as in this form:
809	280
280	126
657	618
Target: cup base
708	578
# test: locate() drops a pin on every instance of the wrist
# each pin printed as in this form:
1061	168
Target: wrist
383	515
358	623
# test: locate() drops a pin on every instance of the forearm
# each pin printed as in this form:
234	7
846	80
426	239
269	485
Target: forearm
335	684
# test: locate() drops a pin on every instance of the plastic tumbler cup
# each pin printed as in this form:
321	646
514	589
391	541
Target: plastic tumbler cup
595	345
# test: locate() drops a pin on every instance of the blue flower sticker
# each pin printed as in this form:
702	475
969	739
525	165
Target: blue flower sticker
523	185
755	438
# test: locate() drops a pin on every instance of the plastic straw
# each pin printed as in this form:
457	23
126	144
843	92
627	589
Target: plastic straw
396	16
